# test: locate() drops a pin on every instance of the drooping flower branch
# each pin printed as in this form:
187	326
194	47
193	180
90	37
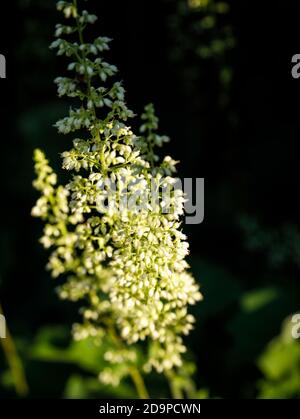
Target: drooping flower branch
127	264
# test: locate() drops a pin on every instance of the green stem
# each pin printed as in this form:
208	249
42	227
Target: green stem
175	389
135	375
134	372
139	383
14	363
80	34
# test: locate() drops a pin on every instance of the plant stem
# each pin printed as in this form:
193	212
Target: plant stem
14	363
139	383
175	389
80	34
135	375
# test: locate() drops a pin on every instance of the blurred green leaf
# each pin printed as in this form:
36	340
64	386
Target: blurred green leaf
258	319
257	299
79	387
280	364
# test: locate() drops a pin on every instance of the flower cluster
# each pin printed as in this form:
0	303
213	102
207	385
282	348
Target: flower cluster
127	265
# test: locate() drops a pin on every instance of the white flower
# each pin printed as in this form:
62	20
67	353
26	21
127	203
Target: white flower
127	262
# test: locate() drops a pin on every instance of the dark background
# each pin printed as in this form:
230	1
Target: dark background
240	133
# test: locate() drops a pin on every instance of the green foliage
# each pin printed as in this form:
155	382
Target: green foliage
280	364
52	346
88	357
126	265
246	321
256	322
